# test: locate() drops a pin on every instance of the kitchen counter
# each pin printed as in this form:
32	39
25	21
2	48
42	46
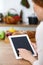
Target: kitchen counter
18	27
7	56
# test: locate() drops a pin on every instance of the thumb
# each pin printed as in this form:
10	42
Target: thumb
20	49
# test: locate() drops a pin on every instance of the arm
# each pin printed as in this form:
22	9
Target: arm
39	41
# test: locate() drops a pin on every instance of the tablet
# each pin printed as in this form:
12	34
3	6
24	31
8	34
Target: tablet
21	41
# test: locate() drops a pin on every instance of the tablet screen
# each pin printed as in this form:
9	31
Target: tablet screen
21	42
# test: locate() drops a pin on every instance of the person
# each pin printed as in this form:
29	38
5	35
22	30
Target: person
25	54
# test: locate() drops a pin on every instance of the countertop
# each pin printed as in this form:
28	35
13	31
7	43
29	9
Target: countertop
7	56
18	25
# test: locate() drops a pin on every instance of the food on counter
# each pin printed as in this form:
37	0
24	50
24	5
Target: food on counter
14	17
8	33
8	19
2	35
31	34
11	18
10	14
17	18
12	30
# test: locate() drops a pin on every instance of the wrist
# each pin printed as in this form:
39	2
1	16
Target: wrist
32	60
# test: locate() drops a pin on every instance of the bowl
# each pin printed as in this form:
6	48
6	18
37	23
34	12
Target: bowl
33	20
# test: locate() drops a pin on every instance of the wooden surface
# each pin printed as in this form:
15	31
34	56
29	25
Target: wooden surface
18	25
7	56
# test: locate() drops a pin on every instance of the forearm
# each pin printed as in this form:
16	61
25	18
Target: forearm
32	59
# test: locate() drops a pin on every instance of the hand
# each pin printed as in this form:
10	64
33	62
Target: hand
27	55
34	46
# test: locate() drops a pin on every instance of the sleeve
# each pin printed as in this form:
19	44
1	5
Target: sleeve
36	63
39	42
39	37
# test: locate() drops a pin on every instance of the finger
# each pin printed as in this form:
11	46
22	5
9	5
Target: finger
29	52
21	49
18	48
20	54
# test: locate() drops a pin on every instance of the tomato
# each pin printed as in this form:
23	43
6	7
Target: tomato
17	18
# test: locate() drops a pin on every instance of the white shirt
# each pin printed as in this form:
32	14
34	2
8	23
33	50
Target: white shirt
39	41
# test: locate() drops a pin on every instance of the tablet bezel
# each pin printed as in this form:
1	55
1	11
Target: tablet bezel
17	57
